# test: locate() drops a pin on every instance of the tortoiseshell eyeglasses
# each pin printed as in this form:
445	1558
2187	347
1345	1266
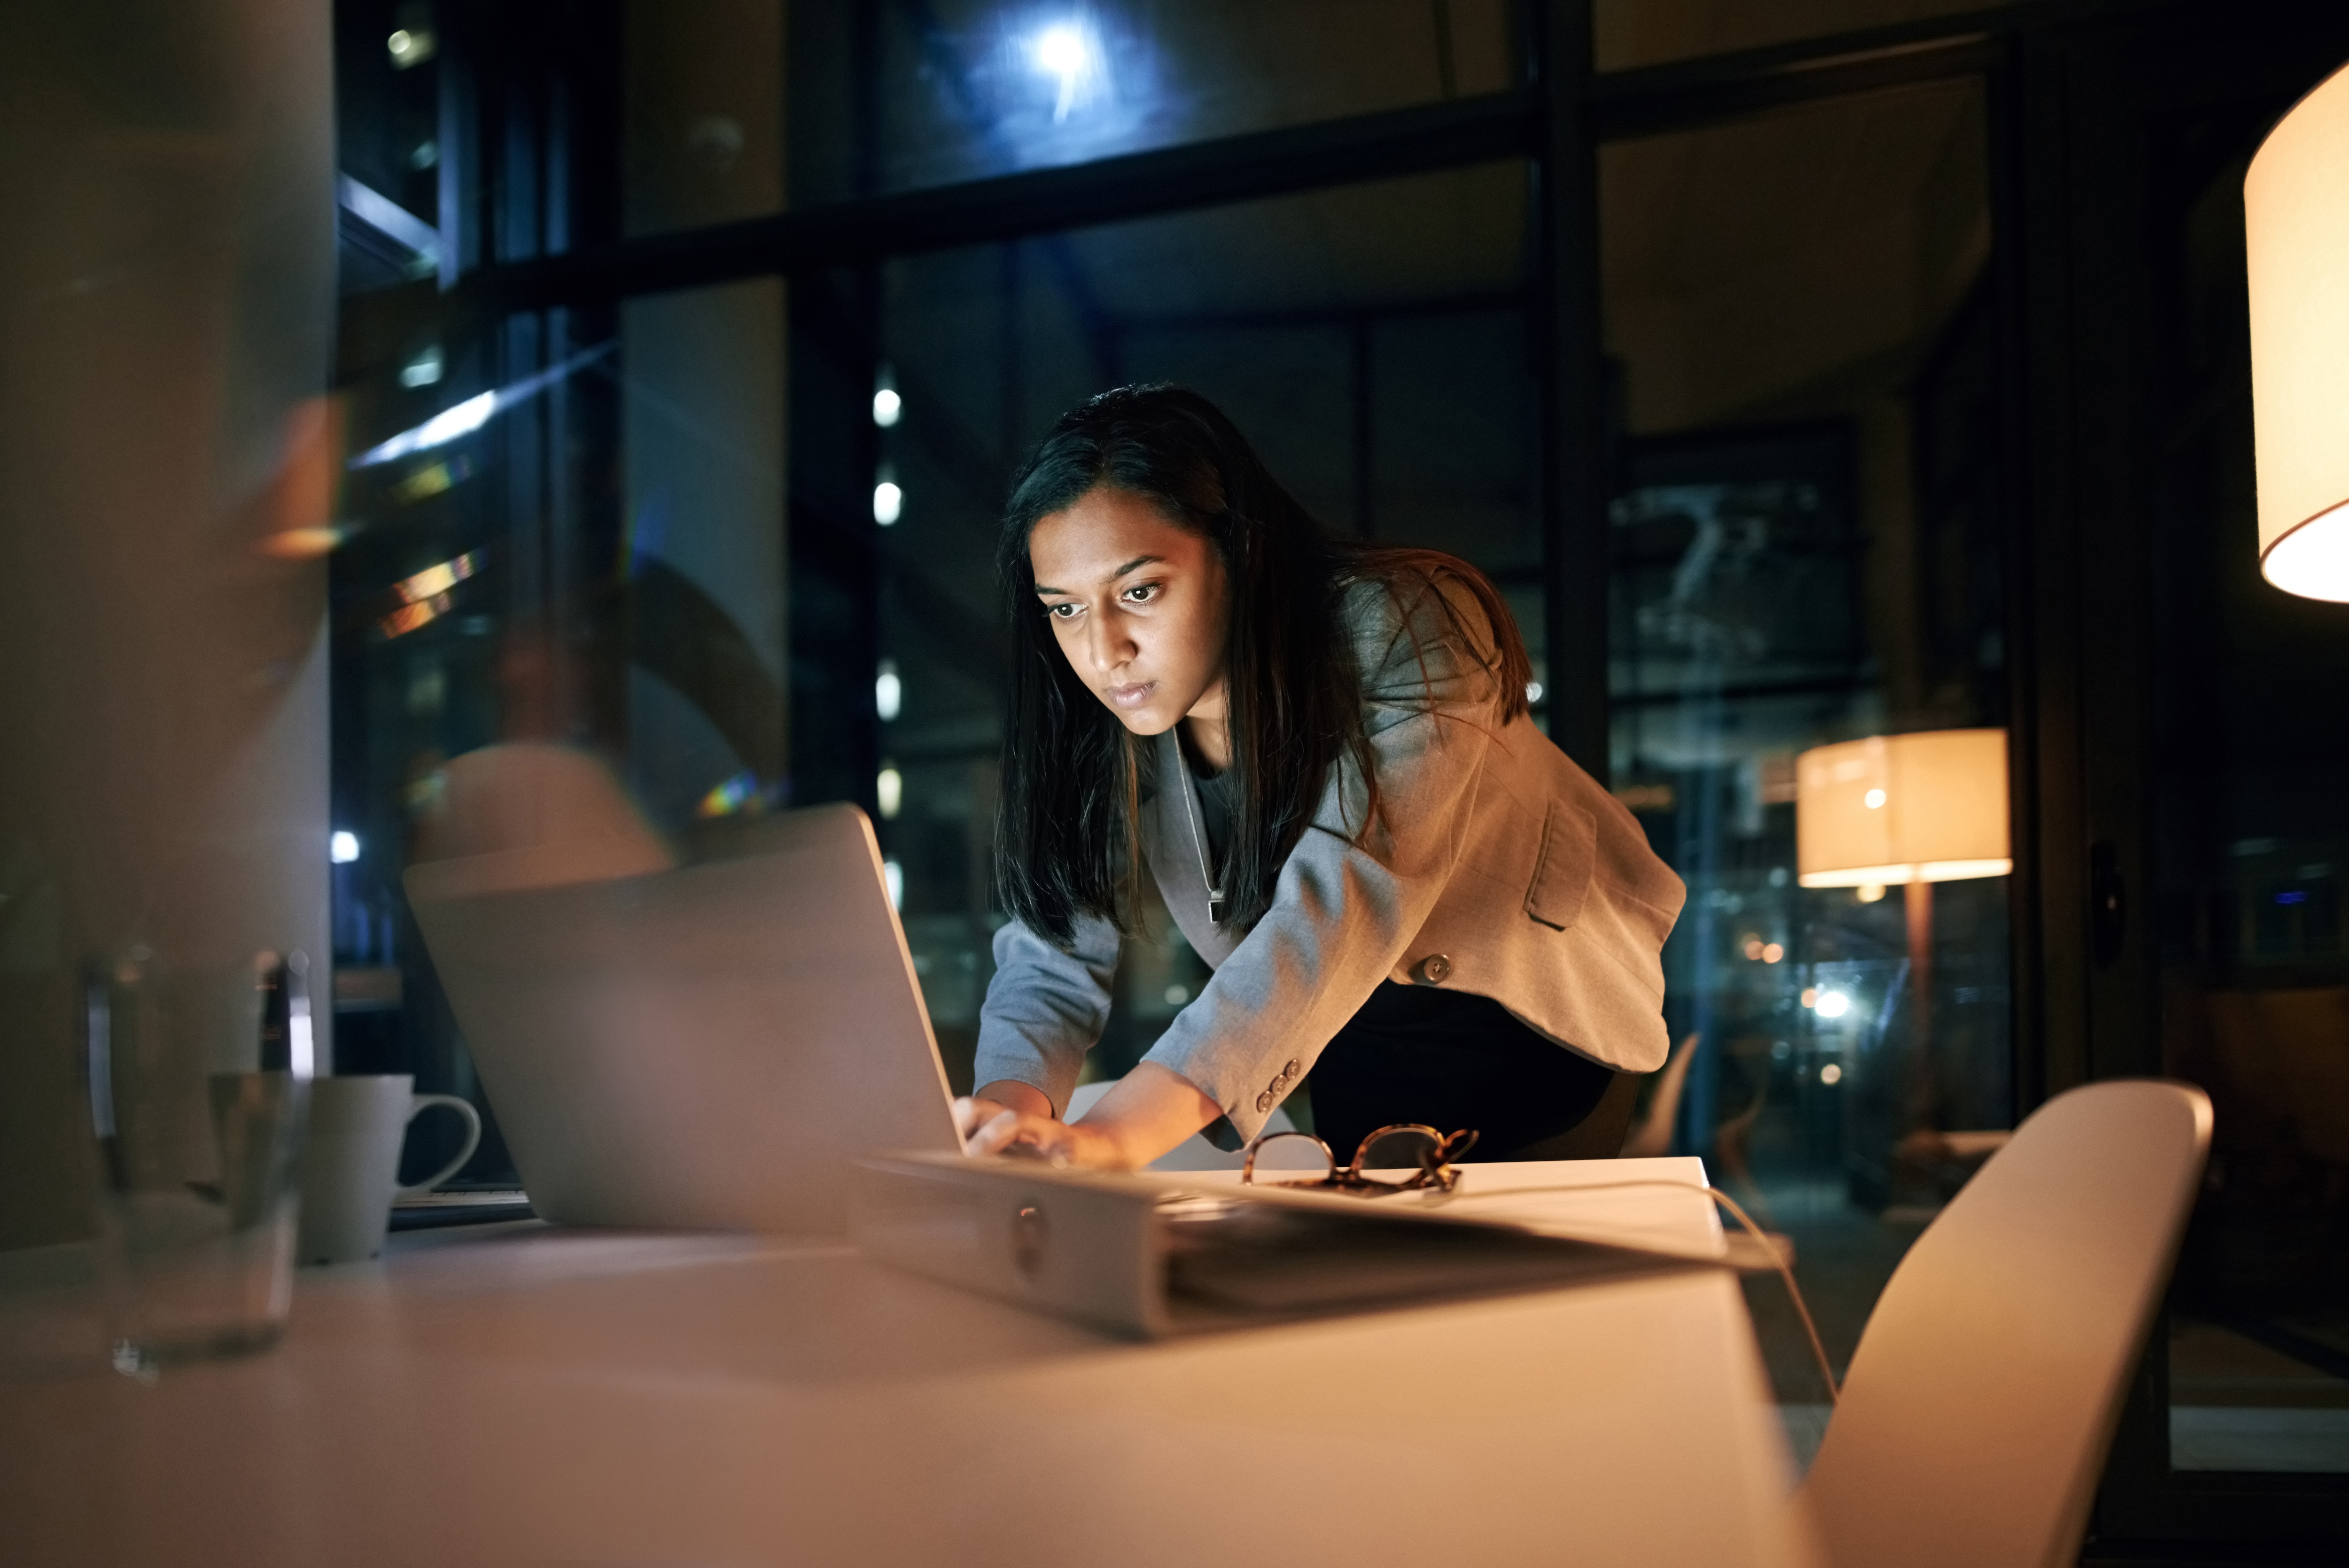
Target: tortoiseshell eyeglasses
1301	1160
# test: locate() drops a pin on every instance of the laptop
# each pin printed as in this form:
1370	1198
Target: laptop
706	1048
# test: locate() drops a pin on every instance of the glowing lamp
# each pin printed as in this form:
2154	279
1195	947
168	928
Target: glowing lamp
1903	808
2296	224
1909	809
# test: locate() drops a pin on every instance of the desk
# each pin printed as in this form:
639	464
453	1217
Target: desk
528	1395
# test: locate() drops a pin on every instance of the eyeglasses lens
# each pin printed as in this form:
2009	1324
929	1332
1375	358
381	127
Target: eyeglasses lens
1287	1156
1405	1152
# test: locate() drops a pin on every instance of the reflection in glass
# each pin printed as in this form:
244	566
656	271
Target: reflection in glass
1804	547
701	135
1631	33
564	626
2250	758
938	91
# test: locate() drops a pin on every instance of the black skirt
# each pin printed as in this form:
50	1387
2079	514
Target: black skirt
1450	1059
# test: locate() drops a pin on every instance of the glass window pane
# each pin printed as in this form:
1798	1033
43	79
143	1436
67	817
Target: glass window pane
960	89
559	611
388	70
2250	768
1372	341
1805	554
701	132
493	133
1631	33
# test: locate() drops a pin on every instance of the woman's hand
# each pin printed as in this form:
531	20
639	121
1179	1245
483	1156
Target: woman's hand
1150	1110
988	1125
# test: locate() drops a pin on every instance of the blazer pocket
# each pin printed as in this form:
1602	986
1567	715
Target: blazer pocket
1570	848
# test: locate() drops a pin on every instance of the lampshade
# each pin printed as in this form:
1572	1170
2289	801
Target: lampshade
2296	220
1902	808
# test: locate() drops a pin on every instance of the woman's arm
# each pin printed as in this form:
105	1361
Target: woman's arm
1344	914
1044	1010
1348	904
1146	1113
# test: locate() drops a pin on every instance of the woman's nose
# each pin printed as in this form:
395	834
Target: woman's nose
1109	646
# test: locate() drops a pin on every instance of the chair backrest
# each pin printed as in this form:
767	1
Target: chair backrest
1979	1408
1651	1135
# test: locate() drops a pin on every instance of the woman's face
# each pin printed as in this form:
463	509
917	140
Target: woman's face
1139	605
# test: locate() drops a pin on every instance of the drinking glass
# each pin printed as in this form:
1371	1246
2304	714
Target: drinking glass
199	1087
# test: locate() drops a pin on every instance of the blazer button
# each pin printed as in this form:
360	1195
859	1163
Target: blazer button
1291	1070
1432	969
1264	1101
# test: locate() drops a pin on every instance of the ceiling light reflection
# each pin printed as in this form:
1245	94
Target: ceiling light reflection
470	415
434	581
410	47
1069	54
429	481
408	617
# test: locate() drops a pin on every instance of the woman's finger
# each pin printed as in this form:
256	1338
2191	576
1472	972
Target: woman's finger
1015	1131
998	1133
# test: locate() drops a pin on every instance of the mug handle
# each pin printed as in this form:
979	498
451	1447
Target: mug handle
464	1108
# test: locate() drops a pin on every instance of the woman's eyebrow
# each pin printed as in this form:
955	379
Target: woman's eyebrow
1133	565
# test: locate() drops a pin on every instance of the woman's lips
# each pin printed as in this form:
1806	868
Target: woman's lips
1129	695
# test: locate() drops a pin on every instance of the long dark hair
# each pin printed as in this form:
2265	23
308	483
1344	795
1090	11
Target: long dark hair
1066	836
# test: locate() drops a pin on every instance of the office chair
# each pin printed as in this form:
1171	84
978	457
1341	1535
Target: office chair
1978	1409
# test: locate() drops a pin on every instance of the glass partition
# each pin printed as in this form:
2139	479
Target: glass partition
1805	557
702	112
1370	340
1628	34
2250	763
564	559
935	91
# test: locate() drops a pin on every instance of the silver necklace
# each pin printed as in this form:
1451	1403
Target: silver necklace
1198	837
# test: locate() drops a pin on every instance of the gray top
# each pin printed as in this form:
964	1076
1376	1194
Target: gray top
1497	867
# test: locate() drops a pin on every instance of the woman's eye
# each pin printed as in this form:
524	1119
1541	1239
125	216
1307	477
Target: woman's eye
1142	593
1061	612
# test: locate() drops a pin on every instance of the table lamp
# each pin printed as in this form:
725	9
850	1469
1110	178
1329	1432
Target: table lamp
2296	227
1909	809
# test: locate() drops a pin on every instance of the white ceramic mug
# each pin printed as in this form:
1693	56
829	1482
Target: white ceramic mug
350	1167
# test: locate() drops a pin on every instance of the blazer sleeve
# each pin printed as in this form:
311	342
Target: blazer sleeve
1348	903
1045	1009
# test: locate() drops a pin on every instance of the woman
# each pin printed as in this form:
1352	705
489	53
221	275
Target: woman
1321	750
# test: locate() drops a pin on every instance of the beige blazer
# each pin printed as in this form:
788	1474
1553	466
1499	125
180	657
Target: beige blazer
1499	867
